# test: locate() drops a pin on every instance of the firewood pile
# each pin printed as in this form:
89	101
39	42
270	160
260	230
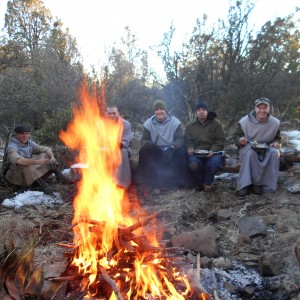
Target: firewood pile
172	276
123	277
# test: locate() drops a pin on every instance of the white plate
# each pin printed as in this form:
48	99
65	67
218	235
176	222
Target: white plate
201	152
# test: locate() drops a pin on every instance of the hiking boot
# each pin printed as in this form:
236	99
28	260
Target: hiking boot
207	188
46	188
242	193
257	189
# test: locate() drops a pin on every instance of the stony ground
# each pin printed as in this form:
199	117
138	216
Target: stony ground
183	210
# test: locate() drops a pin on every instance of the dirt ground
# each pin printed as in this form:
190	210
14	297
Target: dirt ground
183	211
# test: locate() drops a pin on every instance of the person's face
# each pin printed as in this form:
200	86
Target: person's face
22	137
201	114
160	114
262	111
112	112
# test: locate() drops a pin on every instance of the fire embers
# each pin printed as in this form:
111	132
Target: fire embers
131	269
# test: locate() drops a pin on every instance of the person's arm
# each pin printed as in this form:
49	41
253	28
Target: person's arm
15	158
239	136
276	143
189	141
220	139
22	161
178	137
146	138
127	135
42	149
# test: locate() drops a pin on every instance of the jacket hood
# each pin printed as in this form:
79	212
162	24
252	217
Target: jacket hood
252	117
211	115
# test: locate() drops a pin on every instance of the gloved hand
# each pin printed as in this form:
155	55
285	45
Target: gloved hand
168	154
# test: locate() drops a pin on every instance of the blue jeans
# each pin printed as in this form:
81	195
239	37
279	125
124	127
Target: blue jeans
204	169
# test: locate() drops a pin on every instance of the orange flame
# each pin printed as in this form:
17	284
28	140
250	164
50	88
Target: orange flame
99	206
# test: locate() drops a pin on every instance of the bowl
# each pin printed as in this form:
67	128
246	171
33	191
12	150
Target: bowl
259	146
202	153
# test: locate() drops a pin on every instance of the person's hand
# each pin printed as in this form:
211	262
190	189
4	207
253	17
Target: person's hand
210	154
168	154
52	160
190	151
243	141
43	161
276	145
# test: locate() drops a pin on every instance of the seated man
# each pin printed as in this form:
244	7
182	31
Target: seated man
29	162
123	174
260	167
162	159
205	132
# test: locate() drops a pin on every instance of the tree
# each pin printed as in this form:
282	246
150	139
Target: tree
41	68
27	22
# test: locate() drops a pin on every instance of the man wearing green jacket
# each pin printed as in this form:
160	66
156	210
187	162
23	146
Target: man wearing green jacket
205	141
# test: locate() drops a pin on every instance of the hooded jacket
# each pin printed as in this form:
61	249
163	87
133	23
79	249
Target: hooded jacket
207	136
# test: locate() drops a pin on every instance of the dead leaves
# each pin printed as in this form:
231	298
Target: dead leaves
18	280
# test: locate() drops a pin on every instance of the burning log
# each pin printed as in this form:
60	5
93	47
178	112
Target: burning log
112	283
139	224
198	289
64	278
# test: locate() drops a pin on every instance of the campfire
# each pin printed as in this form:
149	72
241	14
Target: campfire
115	253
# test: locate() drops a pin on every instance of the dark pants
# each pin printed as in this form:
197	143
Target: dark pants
154	171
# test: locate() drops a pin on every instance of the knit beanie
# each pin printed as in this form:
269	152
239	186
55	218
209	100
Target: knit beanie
201	104
22	128
159	104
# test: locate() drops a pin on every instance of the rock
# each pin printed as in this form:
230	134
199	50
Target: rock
248	291
222	263
244	240
293	188
205	262
269	264
224	214
271	219
230	287
251	265
252	226
248	257
202	240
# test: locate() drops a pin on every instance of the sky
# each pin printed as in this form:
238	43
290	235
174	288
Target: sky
97	24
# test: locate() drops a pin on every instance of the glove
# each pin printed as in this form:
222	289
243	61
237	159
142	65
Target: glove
168	154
